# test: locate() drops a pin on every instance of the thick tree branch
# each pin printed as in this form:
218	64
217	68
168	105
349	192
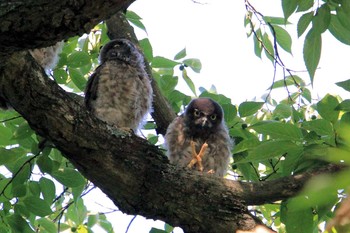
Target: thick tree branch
32	24
140	179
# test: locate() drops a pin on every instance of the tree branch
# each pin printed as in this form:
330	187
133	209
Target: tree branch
140	179
32	24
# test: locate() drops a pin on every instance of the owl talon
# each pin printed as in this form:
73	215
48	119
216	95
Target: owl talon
197	158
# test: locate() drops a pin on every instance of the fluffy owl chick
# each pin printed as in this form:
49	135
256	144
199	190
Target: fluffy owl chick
201	123
47	57
119	91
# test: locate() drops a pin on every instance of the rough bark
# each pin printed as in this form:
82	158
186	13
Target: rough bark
40	23
130	171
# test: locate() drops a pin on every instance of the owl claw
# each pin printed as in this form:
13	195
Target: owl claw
197	158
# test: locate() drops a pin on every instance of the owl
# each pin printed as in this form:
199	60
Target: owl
119	91
199	139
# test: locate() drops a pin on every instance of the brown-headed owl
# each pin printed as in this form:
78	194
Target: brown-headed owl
119	91
199	138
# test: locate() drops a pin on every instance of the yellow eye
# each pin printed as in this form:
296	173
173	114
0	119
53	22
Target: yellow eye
197	113
213	117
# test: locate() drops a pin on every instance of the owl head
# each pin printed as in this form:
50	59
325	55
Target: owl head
202	116
121	50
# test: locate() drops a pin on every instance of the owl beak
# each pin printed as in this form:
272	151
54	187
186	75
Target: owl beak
204	121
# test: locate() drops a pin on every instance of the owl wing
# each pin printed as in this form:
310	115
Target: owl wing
91	87
220	151
177	143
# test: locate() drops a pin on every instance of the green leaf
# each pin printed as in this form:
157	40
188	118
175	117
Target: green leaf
304	5
268	48
167	83
339	31
189	82
48	189
162	62
343	14
270	149
327	108
344	84
304	22
60	75
322	19
282	111
147	49
47	225
69	177
168	228
230	112
245	145
18	224
135	19
78	78
155	230
288	7
283	38
257	43
78	59
249	108
45	164
180	54
37	206
278	130
297	221
7	155
288	81
194	63
312	52
344	106
320	126
275	20
23	131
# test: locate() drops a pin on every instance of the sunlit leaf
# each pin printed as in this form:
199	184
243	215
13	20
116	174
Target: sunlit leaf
327	108
344	84
135	19
343	14
147	49
275	20
47	225
180	54
155	230
77	78
162	62
194	63
282	111
312	52
189	82
344	106
78	59
283	38
268	48
320	126
257	43
249	108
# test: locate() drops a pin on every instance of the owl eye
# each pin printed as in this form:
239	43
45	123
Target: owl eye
213	117
197	113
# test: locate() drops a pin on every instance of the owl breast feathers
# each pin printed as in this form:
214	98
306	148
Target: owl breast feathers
119	92
202	122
